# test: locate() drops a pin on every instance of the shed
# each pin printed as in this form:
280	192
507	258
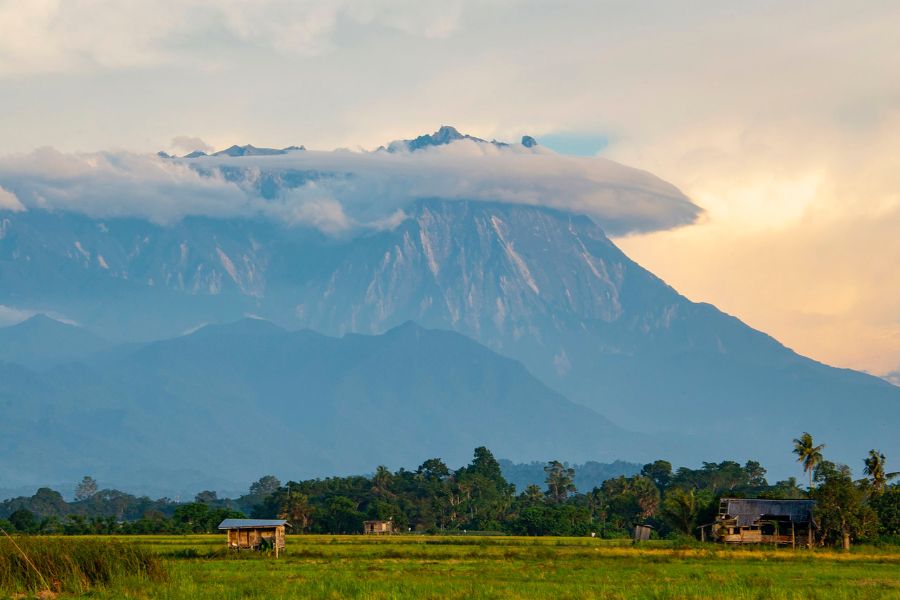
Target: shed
255	534
641	533
762	521
378	527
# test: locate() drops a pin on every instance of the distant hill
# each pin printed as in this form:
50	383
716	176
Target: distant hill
587	476
234	402
41	341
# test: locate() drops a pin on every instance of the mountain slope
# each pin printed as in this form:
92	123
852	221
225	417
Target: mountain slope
240	400
544	287
42	341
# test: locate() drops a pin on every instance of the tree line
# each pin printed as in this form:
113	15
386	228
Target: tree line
477	498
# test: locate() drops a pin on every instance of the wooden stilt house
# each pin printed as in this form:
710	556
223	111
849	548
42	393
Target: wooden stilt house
378	527
760	521
255	534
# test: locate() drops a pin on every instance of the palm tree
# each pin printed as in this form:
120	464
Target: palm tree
381	480
808	454
875	470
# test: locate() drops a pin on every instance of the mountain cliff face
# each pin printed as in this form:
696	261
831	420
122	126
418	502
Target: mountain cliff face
545	287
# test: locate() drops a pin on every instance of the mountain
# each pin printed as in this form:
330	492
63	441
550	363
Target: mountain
239	400
250	150
544	287
447	135
42	341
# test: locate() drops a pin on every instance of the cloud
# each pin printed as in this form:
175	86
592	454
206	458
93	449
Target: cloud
893	377
340	191
9	201
118	184
11	315
48	36
185	144
800	236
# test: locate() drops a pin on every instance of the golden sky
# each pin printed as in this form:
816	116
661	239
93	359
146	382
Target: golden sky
801	238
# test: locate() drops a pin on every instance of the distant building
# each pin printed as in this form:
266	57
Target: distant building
255	534
378	527
758	521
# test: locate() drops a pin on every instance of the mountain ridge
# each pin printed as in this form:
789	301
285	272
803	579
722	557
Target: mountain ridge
296	403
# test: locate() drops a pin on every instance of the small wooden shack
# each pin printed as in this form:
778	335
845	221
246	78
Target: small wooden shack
641	533
760	521
378	527
255	534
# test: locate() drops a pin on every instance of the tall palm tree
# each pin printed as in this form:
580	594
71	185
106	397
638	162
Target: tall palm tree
808	454
875	470
381	481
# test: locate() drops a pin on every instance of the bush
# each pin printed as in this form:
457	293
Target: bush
72	565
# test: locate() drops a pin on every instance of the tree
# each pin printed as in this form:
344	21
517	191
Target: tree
660	472
381	480
646	494
756	474
630	501
194	516
887	507
533	495
679	510
486	465
875	470
841	509
433	469
560	481
23	520
808	454
265	486
86	489
294	506
340	516
789	489
206	497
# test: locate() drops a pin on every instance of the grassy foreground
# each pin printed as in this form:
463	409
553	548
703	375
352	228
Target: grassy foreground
501	567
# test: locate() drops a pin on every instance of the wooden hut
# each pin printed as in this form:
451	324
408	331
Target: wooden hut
641	533
378	527
759	521
255	534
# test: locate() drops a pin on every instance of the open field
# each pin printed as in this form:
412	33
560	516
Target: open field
503	567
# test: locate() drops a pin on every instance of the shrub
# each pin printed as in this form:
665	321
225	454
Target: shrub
71	565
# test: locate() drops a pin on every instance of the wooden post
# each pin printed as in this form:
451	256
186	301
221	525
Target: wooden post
793	537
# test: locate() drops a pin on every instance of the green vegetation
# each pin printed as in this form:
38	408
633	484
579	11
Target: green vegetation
564	544
459	566
478	498
30	564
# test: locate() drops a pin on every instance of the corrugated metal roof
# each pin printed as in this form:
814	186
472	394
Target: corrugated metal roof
748	511
250	523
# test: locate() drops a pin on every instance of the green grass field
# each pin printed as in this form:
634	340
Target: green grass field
502	567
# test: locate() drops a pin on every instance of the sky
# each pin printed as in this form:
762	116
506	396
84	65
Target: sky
780	120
